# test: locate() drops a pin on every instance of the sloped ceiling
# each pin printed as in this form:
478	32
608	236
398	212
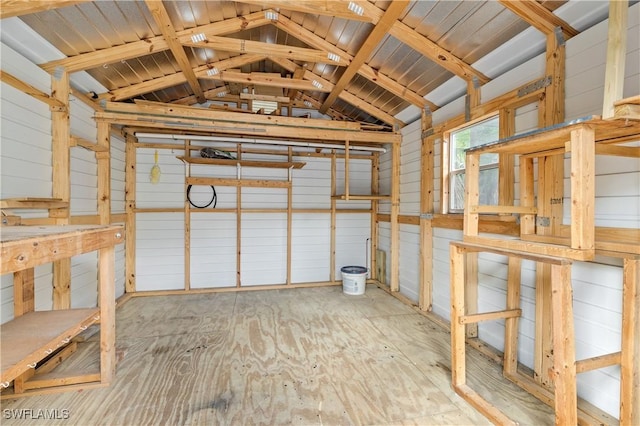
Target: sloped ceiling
362	61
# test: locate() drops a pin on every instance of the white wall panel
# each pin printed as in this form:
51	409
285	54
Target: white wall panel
310	247
213	250
264	249
312	184
159	251
409	262
410	169
117	175
169	191
352	231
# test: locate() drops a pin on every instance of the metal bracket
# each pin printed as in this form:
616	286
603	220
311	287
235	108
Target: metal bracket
467	108
536	85
425	134
426	216
543	221
560	41
475	81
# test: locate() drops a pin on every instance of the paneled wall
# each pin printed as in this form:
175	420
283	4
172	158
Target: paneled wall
598	285
26	171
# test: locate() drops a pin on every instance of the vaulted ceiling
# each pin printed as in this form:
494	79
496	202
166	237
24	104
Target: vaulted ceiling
358	60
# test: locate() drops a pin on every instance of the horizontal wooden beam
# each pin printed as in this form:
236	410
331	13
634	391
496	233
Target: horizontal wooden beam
338	9
22	7
490	316
228	44
5	77
268	80
539	17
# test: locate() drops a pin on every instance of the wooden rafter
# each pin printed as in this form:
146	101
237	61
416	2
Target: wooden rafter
151	45
177	78
339	9
213	94
30	90
166	27
298	74
365	70
277	50
539	17
380	30
344	95
266	79
11	8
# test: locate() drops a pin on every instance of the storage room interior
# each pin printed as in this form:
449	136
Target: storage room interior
320	212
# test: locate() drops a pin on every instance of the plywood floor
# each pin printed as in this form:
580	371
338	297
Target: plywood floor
299	356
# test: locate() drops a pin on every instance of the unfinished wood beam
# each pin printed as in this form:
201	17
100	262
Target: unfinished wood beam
161	17
29	90
61	164
228	44
378	33
153	44
630	354
21	7
539	17
268	80
514	273
426	207
130	210
394	246
338	9
373	75
616	56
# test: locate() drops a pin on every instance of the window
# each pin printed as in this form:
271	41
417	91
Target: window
477	134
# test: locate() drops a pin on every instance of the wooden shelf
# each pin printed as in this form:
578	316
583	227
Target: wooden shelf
33	203
30	337
243	163
352	197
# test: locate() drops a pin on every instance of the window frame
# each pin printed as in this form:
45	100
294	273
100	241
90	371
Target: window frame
447	173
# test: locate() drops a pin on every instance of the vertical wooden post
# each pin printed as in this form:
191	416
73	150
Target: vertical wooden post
511	324
471	194
106	280
375	184
616	56
506	163
187	220
550	186
564	352
332	271
346	170
23	302
583	188
425	297
289	217
630	354
104	172
239	224
130	210
458	364
61	165
394	283
527	195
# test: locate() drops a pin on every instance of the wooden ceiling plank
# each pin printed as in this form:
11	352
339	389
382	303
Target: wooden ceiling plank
338	9
434	52
249	46
376	77
161	17
21	7
266	79
378	33
539	17
152	45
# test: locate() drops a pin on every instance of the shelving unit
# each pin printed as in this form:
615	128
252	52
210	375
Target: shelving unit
243	163
583	139
32	336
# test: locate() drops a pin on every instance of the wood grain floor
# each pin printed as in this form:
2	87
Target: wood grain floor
300	356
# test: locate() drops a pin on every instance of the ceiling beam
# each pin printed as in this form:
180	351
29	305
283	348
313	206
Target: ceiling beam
434	52
161	17
212	95
539	17
344	95
282	51
373	75
297	75
268	80
151	45
338	9
22	7
376	35
177	78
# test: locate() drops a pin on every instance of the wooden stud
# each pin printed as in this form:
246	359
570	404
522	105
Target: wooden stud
425	297
506	162
471	194
527	196
130	209
394	246
346	170
107	297
582	188
375	185
187	220
616	56
471	291
103	158
511	324
23	292
334	177
564	355
458	335
289	218
61	164
239	226
630	354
